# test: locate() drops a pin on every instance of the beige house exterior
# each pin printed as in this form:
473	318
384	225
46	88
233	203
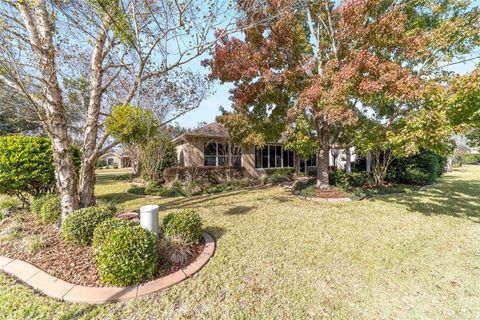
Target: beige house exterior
123	161
211	146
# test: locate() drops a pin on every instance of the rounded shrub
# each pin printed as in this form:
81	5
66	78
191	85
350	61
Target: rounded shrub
186	224
105	228
79	225
128	255
50	210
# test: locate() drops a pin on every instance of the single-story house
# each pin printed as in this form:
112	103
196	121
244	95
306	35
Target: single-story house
120	158
211	146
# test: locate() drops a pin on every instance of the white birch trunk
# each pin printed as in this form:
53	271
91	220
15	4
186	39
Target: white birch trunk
37	23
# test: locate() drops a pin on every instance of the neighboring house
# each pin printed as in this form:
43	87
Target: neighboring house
119	158
211	146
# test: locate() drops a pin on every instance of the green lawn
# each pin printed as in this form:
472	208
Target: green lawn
413	255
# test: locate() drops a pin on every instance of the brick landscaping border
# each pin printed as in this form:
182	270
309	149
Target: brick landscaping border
69	292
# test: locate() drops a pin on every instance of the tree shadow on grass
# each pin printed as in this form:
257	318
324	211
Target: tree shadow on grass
239	210
207	201
215	231
454	196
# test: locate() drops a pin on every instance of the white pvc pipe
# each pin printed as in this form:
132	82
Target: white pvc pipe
149	217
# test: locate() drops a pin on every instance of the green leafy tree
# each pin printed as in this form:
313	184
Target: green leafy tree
26	166
133	127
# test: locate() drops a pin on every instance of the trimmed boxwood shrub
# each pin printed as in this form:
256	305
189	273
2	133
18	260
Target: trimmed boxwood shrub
79	225
186	224
50	210
128	255
105	228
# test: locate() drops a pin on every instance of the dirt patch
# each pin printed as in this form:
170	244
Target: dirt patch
330	194
74	264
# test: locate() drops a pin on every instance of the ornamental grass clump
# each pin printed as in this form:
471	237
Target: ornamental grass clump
79	225
186	224
127	255
178	250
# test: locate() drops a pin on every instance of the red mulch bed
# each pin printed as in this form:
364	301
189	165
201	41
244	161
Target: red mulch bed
330	194
74	264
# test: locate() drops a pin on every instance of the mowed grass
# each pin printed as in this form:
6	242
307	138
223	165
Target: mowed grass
408	256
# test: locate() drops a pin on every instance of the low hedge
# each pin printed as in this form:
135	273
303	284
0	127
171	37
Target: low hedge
278	175
213	175
79	225
128	255
350	180
186	224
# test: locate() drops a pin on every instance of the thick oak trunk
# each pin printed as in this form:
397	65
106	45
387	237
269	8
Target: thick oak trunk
323	162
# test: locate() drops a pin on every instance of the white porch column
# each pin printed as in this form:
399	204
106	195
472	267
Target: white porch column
369	161
348	163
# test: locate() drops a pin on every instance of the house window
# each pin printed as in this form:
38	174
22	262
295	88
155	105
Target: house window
273	156
110	161
222	154
311	162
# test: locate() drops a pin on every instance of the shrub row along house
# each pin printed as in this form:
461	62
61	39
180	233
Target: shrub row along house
211	146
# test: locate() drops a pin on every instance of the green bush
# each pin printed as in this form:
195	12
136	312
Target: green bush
472	158
37	203
186	224
26	165
100	163
103	229
424	168
350	180
50	210
278	175
79	225
128	255
137	190
157	189
212	175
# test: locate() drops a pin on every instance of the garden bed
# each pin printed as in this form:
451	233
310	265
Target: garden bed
71	263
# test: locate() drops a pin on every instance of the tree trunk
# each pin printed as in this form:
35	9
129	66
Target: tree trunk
37	23
90	147
323	160
136	167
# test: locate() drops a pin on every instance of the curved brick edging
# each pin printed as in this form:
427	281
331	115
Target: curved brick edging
69	292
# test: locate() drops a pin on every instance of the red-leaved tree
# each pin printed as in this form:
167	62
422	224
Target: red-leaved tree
313	71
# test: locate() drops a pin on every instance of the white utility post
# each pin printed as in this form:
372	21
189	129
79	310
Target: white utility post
149	218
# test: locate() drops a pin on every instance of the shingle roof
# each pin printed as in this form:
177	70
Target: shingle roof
212	130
